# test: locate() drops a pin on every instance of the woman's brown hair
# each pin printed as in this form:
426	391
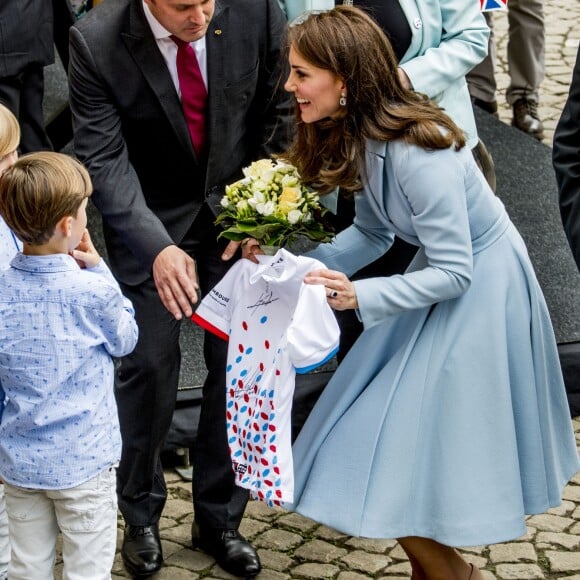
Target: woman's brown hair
330	153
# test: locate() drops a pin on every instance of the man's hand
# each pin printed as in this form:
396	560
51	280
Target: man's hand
176	281
230	250
250	248
85	253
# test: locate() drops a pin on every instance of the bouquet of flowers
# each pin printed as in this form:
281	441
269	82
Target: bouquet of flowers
271	205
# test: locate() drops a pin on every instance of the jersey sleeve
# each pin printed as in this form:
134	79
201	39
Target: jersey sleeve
313	334
214	312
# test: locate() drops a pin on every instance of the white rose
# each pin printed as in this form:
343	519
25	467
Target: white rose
258	186
257	168
258	197
294	216
289	181
284	167
269	208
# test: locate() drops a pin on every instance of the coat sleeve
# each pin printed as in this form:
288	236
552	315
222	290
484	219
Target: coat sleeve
566	158
463	45
366	240
100	145
433	183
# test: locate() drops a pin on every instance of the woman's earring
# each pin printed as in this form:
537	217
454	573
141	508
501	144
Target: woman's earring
342	100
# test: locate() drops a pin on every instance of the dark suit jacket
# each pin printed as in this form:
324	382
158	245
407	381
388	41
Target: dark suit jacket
131	133
26	35
566	157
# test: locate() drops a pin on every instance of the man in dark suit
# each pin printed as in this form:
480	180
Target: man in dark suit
150	185
566	158
26	47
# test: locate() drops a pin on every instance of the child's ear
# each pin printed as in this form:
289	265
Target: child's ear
64	226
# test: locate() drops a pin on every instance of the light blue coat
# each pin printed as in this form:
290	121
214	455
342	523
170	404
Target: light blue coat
449	38
456	372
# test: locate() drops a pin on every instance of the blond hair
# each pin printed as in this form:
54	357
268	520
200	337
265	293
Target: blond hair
38	191
347	42
9	132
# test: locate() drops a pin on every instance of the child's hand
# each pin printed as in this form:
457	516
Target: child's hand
85	253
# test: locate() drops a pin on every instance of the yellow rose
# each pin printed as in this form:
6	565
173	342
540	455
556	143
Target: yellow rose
289	199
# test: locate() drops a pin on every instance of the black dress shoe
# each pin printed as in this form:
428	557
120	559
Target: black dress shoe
488	106
526	118
230	549
141	551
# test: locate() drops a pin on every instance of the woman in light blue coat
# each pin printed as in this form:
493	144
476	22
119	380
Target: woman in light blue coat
436	43
447	422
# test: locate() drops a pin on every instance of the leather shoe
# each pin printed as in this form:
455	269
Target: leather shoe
526	118
141	551
230	549
488	106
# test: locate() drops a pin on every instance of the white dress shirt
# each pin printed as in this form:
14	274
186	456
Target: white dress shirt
168	48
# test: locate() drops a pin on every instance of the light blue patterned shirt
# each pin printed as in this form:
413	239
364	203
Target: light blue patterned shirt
59	327
9	245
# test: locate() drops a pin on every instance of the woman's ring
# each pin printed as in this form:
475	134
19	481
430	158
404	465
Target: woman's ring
334	294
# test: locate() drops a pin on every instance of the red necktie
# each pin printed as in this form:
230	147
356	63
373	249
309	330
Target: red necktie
193	92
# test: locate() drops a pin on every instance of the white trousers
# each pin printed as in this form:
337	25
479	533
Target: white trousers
4	537
86	516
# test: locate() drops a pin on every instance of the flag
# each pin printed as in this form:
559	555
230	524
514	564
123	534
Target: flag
489	5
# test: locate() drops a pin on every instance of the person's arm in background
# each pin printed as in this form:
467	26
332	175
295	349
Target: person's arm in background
463	41
566	159
274	106
293	8
283	6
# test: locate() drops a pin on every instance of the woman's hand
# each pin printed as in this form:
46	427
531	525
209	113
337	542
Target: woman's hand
340	291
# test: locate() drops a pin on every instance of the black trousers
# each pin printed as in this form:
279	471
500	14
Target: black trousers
23	95
146	389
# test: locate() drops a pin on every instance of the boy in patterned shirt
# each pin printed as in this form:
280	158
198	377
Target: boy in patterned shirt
62	319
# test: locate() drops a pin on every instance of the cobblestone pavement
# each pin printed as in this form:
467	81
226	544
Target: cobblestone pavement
293	547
